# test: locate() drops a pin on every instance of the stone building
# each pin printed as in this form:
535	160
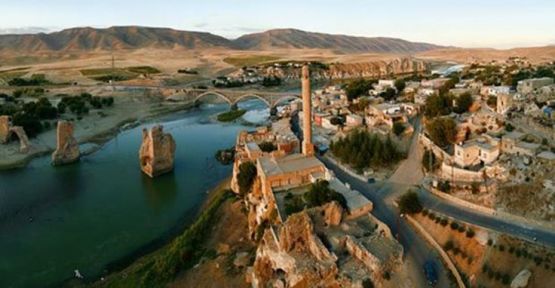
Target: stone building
320	247
482	150
504	103
530	85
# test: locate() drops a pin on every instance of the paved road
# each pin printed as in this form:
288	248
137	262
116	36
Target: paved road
409	175
417	250
497	223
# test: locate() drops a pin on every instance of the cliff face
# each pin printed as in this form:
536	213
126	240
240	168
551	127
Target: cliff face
398	66
157	152
67	149
376	68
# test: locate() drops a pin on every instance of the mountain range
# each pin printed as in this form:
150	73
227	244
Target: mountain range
88	39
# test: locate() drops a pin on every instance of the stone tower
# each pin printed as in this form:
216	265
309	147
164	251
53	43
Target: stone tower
308	147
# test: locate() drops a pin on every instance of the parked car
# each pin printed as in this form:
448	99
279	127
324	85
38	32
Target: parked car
430	271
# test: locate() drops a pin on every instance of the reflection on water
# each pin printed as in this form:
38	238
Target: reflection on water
160	196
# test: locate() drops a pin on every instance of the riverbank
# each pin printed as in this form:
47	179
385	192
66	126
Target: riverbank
162	266
98	127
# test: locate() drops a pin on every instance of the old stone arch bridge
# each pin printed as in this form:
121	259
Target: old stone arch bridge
231	96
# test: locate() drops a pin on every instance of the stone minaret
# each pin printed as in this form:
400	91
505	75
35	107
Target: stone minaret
308	147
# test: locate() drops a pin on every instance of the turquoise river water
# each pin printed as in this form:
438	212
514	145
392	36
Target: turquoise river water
101	212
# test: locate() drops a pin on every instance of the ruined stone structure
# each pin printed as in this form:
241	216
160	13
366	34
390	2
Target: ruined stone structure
319	248
24	145
308	147
157	152
67	148
4	129
6	132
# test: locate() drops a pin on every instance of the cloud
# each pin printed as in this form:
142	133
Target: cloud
26	30
201	25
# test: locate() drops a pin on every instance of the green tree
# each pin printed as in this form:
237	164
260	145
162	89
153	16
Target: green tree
442	131
464	102
389	94
246	176
398	128
358	88
400	84
437	105
409	203
430	161
320	193
267	146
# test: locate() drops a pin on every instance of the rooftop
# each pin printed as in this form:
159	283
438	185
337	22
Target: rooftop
290	163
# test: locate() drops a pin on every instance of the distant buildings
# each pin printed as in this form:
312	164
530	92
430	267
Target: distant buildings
530	85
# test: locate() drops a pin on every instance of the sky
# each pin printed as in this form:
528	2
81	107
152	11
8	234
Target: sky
462	23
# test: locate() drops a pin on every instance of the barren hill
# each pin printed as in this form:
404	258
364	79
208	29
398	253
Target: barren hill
292	38
117	38
88	39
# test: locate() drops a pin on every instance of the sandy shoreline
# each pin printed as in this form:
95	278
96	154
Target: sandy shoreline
95	128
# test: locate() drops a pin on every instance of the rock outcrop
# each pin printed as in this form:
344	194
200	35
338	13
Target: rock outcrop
4	129
377	68
157	152
521	280
67	149
6	132
319	248
24	145
333	213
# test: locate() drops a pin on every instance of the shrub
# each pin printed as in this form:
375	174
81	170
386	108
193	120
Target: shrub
246	176
267	146
461	229
442	131
398	128
470	233
424	212
490	242
444	222
449	245
506	279
409	203
454	225
231	115
430	161
501	248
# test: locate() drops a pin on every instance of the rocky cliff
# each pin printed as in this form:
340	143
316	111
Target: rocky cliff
67	149
376	68
382	68
157	152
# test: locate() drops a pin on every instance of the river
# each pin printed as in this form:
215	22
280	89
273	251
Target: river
102	210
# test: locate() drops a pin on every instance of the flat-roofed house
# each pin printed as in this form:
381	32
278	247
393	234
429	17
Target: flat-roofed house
530	85
483	150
